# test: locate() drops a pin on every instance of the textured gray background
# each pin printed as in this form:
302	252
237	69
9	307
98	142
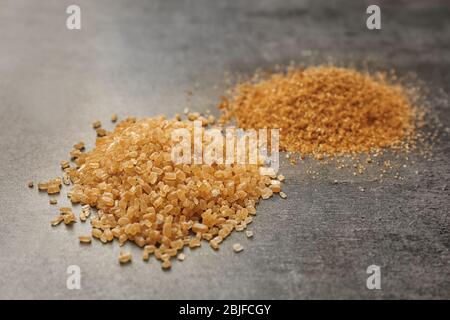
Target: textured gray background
140	58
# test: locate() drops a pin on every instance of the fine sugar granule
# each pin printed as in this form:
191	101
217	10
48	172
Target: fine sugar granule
324	110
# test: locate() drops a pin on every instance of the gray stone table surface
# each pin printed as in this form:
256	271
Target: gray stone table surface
142	58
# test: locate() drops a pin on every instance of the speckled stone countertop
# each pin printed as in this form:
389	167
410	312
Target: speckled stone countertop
141	58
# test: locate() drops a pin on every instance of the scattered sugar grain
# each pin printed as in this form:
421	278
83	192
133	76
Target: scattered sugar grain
96	124
181	256
125	257
85	239
237	247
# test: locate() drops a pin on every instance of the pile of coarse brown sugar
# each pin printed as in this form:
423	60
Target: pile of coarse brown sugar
325	110
142	196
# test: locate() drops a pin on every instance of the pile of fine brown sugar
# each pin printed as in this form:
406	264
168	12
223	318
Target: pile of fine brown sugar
325	110
143	197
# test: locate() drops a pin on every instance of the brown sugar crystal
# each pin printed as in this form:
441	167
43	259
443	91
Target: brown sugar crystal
125	257
96	124
85	239
141	195
324	110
